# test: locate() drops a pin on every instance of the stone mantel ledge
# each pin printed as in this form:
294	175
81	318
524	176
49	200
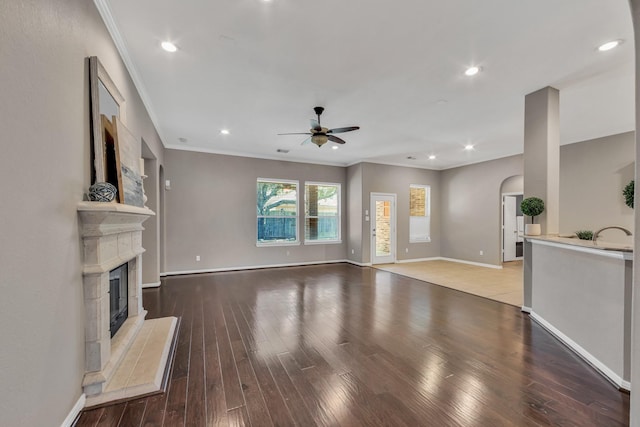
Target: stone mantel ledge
615	250
102	219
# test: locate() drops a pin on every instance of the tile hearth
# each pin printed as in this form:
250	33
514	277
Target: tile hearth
143	368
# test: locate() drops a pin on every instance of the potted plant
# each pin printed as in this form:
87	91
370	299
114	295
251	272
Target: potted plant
628	193
584	234
532	206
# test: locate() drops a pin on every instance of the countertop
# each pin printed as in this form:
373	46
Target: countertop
601	245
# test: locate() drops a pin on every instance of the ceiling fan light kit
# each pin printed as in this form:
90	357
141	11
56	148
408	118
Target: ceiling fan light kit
321	135
319	139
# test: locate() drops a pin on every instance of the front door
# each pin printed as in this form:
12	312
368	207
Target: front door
383	228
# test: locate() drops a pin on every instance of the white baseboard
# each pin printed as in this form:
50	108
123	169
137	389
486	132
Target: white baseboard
359	264
151	285
252	267
525	309
584	354
75	411
461	261
403	261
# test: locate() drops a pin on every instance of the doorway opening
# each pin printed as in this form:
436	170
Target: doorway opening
512	227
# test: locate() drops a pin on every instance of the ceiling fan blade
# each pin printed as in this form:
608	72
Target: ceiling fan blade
315	125
345	129
296	133
336	139
306	141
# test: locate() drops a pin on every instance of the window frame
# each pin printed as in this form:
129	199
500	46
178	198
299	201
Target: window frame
297	215
338	215
427	213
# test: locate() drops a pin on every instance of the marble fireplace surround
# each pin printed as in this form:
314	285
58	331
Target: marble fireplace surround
112	236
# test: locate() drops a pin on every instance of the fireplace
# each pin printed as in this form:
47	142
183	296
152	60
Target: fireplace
125	355
118	297
112	241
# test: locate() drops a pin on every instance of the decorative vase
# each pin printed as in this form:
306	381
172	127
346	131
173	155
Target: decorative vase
532	230
102	192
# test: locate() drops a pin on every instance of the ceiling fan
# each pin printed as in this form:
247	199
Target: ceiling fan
320	135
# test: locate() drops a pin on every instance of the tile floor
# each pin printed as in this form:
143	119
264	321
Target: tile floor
504	285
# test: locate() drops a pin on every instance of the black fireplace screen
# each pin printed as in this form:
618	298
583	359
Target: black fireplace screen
118	297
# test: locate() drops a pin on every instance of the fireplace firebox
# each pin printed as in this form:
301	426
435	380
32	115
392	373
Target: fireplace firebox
118	297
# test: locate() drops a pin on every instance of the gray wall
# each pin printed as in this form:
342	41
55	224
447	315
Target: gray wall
44	173
211	211
397	180
592	176
151	233
466	204
354	213
514	184
634	419
470	209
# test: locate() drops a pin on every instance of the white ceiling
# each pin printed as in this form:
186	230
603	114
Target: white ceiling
396	69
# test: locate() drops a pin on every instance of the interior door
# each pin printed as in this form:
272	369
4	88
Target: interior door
509	229
383	228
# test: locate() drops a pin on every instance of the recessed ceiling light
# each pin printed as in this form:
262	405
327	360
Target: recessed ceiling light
432	157
224	131
168	46
282	150
410	158
472	71
609	45
335	147
468	147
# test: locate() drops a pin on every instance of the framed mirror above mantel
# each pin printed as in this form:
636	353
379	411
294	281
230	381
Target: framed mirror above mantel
106	100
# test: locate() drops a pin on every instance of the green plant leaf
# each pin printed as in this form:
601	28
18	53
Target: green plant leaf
532	206
628	193
584	234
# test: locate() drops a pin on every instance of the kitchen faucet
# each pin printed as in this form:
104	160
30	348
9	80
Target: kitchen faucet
595	235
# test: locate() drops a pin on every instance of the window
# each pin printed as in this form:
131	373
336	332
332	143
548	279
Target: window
322	212
419	213
277	206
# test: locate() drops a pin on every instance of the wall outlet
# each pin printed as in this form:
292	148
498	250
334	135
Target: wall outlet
353	251
197	257
406	250
288	253
481	252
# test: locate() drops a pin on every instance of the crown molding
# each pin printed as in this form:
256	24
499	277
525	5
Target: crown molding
118	40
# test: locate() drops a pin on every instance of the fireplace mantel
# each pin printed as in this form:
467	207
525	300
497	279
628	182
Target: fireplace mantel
112	236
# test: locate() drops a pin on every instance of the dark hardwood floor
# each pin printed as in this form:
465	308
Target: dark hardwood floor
340	345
